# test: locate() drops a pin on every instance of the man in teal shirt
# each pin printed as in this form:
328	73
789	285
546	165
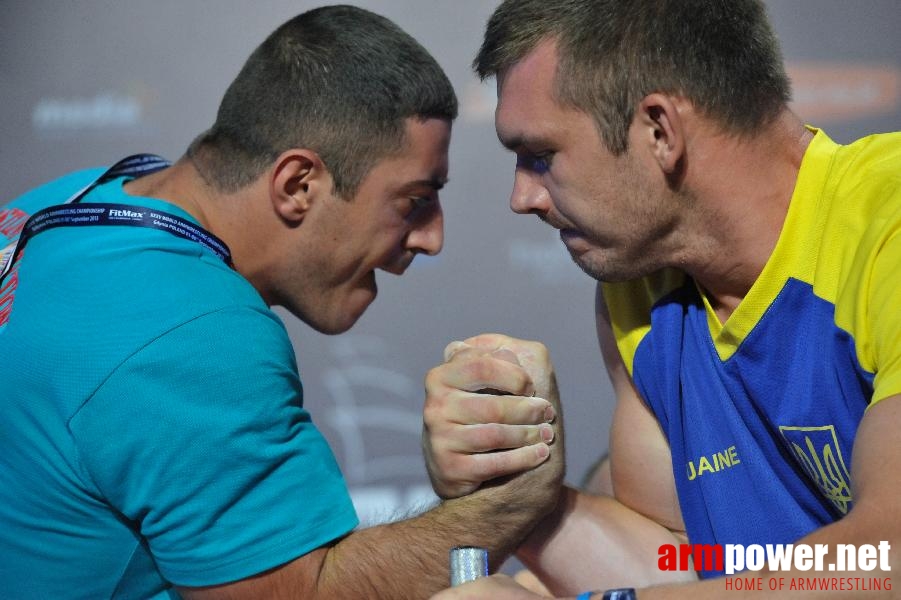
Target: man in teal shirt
154	441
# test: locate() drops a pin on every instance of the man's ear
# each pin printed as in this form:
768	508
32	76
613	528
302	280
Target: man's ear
297	180
661	129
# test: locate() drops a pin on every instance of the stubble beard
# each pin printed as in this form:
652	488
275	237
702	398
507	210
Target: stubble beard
606	270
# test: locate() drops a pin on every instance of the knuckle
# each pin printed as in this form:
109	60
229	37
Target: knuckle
494	409
432	408
478	369
490	436
432	413
523	382
494	464
452	349
486	467
434	378
540	351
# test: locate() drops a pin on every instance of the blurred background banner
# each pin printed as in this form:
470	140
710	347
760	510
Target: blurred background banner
85	83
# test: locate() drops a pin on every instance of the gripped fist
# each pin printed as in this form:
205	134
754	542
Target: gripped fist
491	410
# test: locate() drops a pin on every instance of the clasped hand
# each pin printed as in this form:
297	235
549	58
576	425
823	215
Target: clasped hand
491	410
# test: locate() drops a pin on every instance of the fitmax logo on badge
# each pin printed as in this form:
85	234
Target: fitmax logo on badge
128	214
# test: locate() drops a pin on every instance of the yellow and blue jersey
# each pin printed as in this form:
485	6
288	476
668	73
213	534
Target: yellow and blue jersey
761	411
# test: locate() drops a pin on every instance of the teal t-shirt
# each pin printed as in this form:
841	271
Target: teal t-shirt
153	430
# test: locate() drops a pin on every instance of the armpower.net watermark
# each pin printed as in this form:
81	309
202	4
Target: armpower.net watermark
822	569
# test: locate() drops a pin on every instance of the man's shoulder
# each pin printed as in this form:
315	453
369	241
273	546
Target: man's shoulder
869	166
877	147
55	191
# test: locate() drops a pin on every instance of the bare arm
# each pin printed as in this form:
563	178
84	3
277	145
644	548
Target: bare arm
874	519
598	481
409	559
592	542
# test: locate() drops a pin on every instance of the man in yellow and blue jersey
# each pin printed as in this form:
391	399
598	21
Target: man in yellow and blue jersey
748	297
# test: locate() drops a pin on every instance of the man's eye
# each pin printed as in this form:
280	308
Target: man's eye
537	163
421	201
419	205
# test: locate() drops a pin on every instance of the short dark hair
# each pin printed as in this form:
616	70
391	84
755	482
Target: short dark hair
722	55
339	80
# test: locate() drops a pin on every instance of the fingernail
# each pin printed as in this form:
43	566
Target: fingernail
543	451
546	432
549	413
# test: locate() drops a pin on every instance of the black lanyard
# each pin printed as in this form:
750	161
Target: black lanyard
75	214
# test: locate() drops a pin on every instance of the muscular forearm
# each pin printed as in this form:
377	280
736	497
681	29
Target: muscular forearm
591	542
409	559
596	543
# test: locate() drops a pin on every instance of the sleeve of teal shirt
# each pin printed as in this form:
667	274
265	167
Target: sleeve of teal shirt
201	440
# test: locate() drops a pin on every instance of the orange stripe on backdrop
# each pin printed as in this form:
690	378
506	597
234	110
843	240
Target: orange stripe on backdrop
825	91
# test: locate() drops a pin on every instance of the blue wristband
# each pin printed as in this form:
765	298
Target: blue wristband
585	596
